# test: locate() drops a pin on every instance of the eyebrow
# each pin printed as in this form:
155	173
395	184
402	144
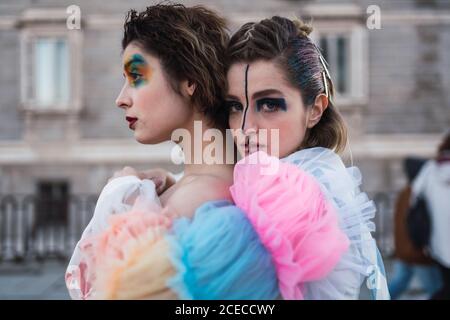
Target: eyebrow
264	93
231	97
257	95
135	58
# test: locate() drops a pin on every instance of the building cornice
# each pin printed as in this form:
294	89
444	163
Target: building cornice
377	146
83	152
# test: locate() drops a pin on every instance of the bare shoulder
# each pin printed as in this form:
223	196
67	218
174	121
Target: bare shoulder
187	198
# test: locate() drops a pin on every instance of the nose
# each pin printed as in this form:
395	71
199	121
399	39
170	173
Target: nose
248	124
123	100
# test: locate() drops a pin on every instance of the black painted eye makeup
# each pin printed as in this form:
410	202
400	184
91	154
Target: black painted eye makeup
271	104
244	117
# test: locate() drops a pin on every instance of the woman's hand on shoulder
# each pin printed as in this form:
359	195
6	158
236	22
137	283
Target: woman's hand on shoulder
162	178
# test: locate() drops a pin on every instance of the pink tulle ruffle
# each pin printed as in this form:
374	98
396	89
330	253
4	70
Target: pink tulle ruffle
292	217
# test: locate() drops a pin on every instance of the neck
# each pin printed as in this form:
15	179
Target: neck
203	154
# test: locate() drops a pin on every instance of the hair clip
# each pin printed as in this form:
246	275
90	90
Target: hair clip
325	73
324	65
325	83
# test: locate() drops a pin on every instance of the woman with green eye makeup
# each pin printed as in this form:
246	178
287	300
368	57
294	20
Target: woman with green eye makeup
174	74
168	86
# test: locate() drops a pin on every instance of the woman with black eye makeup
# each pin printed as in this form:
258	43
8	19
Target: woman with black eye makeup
279	85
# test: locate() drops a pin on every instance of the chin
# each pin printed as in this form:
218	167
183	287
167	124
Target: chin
149	140
146	141
141	139
280	154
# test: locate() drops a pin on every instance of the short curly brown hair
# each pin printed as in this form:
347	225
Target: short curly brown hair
190	43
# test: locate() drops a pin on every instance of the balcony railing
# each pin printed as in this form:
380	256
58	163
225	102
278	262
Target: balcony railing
38	229
33	228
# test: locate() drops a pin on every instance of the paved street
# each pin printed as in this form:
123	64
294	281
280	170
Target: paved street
35	281
46	281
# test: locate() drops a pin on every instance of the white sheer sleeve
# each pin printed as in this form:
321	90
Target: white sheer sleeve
362	260
119	196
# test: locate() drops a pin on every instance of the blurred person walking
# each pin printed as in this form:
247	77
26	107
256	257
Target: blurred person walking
433	183
410	261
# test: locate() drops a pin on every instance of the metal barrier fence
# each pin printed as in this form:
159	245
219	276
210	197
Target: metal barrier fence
36	229
33	228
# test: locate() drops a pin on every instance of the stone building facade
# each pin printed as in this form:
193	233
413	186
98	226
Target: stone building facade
393	79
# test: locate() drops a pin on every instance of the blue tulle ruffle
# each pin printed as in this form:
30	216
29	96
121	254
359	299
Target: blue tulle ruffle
218	255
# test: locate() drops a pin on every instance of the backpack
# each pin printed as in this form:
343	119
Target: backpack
418	224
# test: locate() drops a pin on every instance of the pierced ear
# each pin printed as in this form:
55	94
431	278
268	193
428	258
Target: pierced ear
188	87
318	108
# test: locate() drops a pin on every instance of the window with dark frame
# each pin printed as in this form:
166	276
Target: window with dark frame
335	50
52	203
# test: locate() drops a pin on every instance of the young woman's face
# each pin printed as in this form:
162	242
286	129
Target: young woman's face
152	108
272	104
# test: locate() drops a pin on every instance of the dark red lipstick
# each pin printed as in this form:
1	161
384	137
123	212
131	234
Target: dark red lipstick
131	122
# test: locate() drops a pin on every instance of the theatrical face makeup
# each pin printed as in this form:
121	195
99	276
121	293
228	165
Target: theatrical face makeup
259	97
152	108
137	70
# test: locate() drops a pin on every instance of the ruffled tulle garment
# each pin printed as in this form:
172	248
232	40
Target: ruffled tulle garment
293	232
293	218
218	255
129	260
122	195
140	252
362	261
